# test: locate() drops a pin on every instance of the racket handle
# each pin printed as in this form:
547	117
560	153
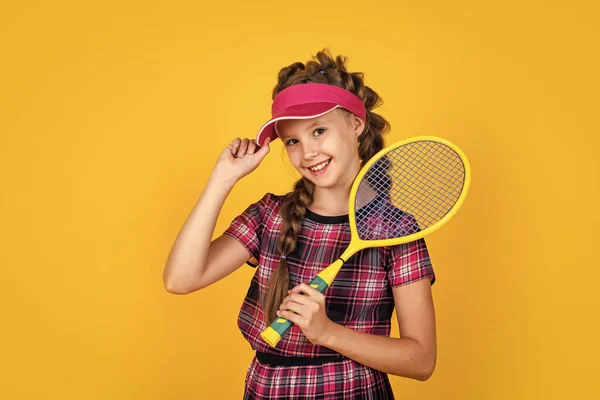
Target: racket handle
274	332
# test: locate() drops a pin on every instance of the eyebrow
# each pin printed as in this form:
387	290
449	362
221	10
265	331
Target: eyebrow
321	120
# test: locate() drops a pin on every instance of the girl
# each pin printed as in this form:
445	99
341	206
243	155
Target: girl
339	347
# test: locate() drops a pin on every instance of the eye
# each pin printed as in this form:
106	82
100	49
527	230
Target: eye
291	142
319	131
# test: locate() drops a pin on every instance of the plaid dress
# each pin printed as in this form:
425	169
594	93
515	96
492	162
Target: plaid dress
359	298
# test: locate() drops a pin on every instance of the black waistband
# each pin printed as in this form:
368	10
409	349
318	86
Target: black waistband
277	361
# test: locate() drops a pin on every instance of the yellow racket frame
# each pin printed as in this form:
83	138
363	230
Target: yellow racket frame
272	334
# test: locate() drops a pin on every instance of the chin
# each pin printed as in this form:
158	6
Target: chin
323	183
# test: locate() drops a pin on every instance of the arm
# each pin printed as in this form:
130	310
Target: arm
194	261
413	355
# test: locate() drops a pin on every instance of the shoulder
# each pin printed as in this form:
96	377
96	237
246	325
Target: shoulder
266	208
273	199
268	203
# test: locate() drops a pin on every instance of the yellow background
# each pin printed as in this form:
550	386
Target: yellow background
113	113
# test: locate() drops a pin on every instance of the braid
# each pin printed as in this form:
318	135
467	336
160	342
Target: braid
322	69
293	210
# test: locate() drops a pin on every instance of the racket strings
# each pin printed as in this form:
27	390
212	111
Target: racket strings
408	189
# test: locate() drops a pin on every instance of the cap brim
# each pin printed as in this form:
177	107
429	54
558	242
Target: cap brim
302	111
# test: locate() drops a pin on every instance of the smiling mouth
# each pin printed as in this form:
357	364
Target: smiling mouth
319	167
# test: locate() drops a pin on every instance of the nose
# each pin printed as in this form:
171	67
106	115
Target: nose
310	150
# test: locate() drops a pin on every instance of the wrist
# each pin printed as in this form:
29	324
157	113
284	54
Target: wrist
221	183
330	334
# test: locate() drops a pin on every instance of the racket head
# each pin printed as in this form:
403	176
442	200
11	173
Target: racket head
407	191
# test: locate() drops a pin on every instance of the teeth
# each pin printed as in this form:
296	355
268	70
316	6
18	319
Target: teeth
320	166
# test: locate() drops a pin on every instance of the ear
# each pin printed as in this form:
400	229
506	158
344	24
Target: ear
357	124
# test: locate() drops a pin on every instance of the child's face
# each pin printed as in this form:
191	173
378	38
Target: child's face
324	149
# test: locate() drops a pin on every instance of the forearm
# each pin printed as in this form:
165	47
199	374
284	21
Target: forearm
397	356
187	259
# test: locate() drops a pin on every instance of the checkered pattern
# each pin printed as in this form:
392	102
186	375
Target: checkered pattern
360	298
344	380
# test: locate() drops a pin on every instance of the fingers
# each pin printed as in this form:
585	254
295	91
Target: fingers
235	145
252	146
294	303
264	149
305	307
290	316
309	291
299	314
243	147
295	298
300	303
291	306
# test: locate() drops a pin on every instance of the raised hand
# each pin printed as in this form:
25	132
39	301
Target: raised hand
238	159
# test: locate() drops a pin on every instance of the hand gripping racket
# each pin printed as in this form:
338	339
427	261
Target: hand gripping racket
403	193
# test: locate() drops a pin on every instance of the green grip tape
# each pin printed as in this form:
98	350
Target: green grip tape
319	284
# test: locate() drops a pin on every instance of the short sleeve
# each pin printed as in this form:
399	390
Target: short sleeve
409	262
247	227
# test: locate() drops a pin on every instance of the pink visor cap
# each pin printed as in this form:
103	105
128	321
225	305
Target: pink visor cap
308	100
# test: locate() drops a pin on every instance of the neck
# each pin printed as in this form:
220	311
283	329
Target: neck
333	200
330	201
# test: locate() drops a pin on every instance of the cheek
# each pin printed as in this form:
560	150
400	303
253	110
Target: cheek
294	156
346	148
331	145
